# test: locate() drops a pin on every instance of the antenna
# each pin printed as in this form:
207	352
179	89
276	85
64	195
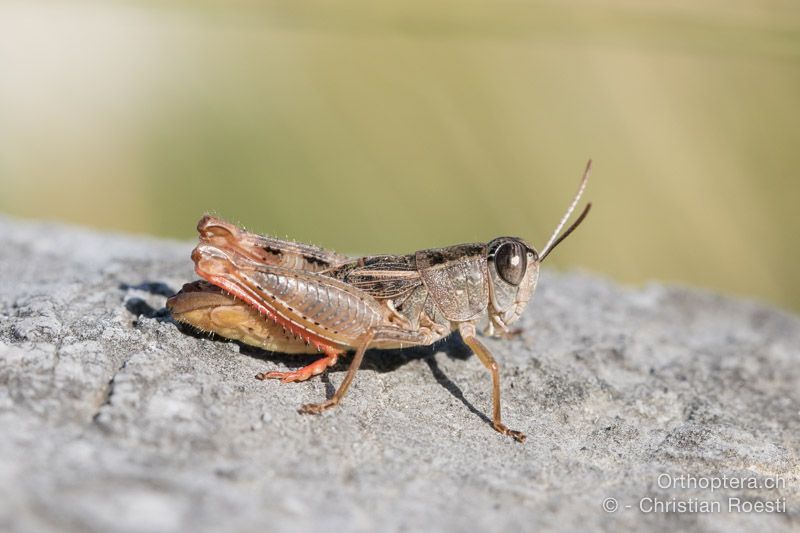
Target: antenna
555	239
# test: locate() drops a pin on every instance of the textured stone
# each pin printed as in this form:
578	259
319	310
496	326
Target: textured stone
115	420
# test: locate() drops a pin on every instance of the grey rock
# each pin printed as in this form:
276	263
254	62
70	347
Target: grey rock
113	419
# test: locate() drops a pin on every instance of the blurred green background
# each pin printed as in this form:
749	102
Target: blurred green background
377	127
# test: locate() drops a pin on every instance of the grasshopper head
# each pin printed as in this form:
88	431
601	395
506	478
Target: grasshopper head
513	270
514	264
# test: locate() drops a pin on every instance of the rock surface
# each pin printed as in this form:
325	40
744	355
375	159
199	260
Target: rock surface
115	420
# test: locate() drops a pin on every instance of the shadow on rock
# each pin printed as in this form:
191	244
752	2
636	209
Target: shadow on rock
141	307
378	360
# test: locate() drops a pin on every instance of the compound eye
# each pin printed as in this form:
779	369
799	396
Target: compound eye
511	261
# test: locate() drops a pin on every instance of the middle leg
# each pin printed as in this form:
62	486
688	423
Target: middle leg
373	337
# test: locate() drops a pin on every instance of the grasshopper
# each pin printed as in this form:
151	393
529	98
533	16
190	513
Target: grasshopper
296	298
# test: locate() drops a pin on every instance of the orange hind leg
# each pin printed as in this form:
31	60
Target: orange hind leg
317	367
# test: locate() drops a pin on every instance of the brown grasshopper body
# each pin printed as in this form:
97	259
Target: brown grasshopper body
295	298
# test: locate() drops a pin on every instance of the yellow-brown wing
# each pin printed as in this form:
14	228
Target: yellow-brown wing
268	250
